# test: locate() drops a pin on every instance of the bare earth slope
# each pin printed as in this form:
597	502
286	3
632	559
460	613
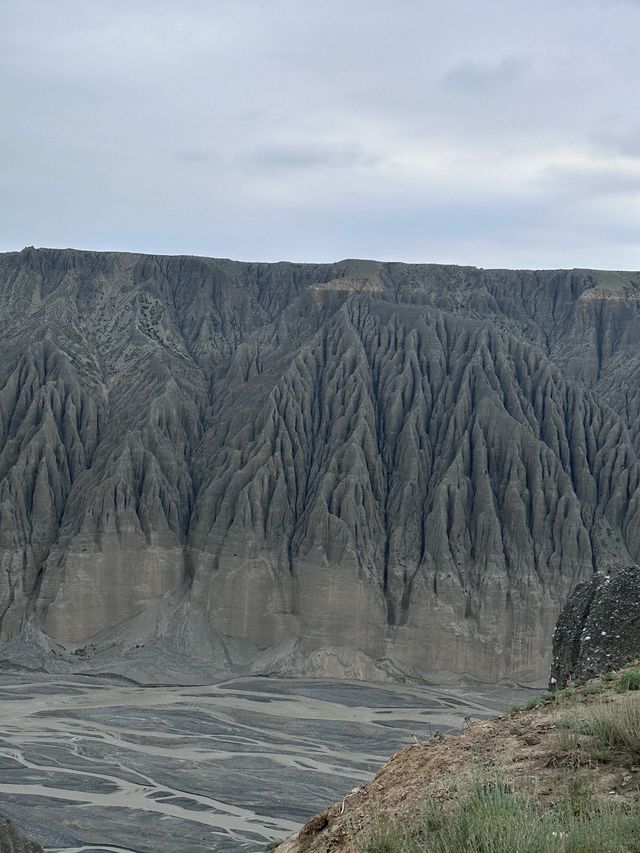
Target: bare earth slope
408	464
548	752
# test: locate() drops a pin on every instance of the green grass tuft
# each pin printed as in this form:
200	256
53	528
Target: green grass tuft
593	688
629	680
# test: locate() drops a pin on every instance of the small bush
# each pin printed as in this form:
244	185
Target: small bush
578	800
593	688
387	836
628	681
534	703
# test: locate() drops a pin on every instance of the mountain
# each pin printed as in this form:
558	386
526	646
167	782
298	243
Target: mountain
401	467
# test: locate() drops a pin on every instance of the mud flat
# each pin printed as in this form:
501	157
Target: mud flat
91	765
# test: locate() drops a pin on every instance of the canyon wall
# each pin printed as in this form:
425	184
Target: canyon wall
413	463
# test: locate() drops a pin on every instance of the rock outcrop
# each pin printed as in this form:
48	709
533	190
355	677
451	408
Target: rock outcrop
409	464
599	627
13	841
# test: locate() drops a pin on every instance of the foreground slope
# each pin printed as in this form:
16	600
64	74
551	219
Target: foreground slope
411	463
562	774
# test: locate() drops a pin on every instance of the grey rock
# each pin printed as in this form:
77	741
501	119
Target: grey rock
357	467
13	841
599	627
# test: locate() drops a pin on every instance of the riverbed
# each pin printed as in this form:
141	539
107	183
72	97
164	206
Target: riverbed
95	765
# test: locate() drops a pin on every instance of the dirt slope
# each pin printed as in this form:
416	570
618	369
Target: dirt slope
529	749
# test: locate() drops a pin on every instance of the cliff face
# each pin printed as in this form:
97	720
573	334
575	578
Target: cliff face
417	463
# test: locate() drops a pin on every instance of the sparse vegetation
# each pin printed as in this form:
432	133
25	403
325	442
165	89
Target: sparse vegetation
539	700
490	816
616	726
84	651
593	688
602	731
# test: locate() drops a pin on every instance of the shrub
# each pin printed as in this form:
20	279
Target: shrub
534	703
569	741
593	688
628	681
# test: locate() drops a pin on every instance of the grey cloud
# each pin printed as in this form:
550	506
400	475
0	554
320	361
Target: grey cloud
474	76
622	141
304	130
582	181
311	155
192	155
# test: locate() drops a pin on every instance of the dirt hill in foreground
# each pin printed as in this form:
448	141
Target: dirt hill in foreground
566	771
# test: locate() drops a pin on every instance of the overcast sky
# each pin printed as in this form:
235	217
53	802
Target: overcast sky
488	132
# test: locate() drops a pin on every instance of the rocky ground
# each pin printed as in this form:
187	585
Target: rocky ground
12	840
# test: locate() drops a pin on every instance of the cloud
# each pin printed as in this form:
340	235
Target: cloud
623	141
477	131
193	155
473	76
593	178
310	156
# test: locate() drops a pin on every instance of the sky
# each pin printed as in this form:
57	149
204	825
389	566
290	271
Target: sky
497	133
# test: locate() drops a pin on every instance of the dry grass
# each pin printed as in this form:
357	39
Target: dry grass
614	726
490	816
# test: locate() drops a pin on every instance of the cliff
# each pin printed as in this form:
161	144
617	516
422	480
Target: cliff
359	468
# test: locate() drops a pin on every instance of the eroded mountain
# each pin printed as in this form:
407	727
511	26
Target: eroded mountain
340	464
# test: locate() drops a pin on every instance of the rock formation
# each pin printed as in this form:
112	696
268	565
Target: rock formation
413	464
13	841
599	627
